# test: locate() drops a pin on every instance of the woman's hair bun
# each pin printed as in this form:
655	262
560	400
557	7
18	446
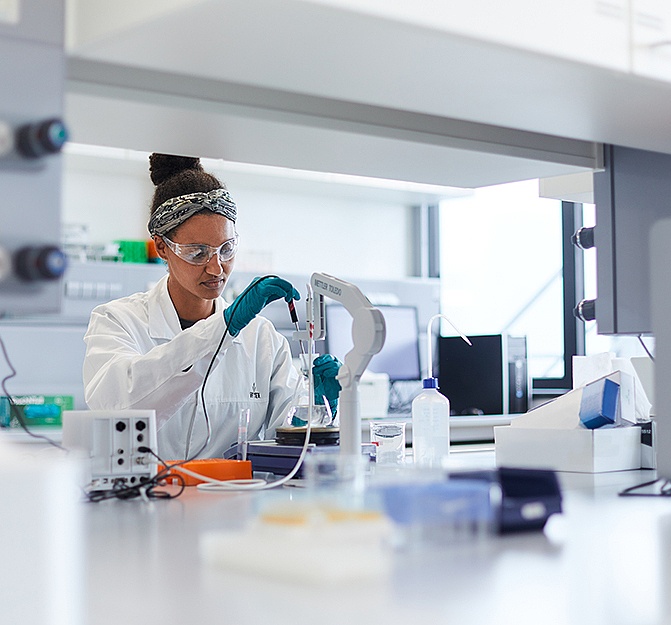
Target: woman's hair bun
164	166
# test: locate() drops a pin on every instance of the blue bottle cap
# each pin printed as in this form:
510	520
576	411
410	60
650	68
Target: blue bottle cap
430	383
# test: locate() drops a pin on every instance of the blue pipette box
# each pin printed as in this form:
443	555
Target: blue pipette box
449	509
598	406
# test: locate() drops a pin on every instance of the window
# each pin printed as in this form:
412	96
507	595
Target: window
504	251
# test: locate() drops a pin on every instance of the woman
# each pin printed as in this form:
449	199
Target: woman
154	350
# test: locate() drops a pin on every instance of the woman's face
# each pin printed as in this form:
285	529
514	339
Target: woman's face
192	287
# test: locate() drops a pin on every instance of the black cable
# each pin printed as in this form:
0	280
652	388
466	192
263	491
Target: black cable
645	347
664	491
125	492
149	487
167	467
235	305
14	409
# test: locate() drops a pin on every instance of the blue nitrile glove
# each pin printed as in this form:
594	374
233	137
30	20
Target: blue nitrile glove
254	299
324	370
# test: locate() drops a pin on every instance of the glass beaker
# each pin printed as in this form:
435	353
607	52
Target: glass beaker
389	440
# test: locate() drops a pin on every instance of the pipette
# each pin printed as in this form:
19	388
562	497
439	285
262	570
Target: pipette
243	426
294	319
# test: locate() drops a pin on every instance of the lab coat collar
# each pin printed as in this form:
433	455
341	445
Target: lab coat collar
163	319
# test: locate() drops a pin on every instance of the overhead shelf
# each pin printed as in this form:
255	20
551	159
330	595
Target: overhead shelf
319	85
150	110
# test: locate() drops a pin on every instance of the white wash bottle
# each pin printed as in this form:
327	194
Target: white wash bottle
430	426
431	415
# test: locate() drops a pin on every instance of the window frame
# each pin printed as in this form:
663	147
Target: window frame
573	287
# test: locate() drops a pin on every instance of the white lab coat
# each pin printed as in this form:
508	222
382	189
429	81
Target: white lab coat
138	357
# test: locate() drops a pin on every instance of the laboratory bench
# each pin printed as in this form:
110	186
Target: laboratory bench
605	560
466	430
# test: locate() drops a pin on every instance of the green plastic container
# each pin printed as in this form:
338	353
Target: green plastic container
36	410
133	251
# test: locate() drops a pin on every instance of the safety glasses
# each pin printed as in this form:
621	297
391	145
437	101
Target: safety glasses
201	254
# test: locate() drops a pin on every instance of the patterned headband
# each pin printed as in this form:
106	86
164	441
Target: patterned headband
177	210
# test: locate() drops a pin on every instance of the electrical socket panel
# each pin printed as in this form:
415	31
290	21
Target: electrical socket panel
110	440
34	64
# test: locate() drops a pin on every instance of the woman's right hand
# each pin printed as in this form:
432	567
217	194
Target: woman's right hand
255	298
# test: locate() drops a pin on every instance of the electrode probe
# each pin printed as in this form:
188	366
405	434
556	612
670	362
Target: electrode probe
294	319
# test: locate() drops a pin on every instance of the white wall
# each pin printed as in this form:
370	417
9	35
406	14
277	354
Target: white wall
285	228
113	205
301	234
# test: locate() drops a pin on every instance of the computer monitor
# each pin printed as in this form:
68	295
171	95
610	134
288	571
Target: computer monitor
488	377
399	357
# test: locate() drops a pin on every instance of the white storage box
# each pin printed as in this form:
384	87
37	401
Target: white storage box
577	450
553	437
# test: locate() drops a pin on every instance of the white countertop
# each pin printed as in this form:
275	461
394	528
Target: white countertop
604	560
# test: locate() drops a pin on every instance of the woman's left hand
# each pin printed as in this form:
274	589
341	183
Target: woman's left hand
324	370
